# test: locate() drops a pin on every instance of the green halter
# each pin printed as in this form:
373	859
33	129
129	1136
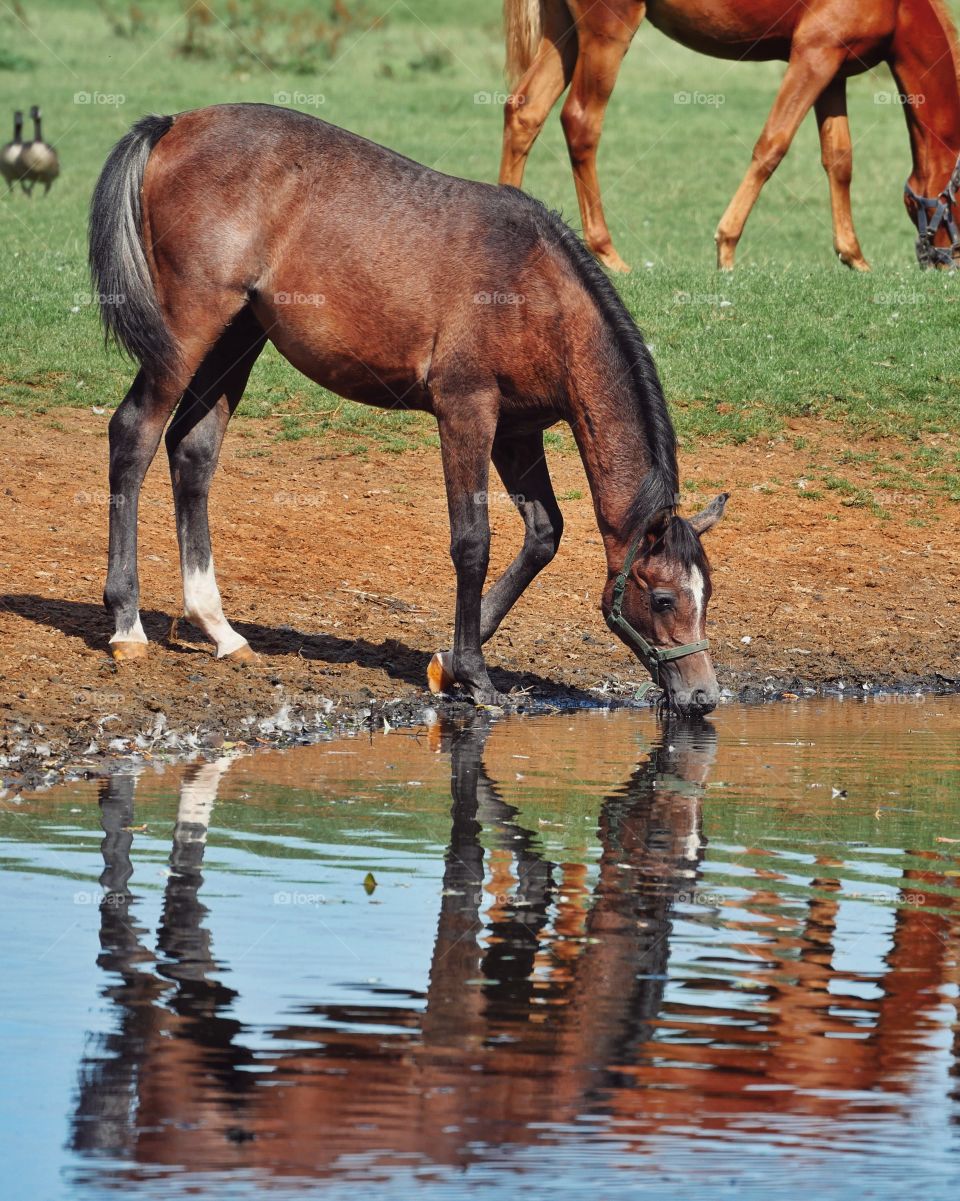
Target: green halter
649	655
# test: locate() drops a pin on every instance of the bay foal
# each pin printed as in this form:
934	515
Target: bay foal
396	286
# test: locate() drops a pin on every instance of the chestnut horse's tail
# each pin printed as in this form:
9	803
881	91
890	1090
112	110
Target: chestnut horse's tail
523	21
118	263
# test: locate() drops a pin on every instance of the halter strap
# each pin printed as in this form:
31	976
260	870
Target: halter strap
932	212
649	655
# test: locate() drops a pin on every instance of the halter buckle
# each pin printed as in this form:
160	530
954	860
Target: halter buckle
929	223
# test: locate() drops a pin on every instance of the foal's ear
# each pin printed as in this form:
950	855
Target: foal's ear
708	517
656	529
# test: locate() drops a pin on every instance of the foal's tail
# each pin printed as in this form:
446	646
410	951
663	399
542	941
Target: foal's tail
523	22
118	264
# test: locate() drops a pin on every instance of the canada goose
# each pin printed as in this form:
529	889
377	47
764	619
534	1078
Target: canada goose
10	165
38	161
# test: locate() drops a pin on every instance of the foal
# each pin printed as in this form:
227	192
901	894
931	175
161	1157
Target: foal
397	286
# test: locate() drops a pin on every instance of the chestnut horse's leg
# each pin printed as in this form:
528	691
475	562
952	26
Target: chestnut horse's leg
521	465
537	91
193	446
836	151
604	38
810	72
467	424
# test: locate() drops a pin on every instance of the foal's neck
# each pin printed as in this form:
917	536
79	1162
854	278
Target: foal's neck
922	59
607	421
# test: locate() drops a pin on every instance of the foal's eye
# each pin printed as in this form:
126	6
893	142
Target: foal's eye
661	602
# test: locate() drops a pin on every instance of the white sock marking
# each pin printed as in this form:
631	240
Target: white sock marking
202	606
198	794
132	633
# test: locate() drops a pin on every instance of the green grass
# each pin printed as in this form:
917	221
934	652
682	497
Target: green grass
791	333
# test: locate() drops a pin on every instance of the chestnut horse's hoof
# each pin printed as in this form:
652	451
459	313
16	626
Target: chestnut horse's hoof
440	672
122	652
612	261
856	262
243	654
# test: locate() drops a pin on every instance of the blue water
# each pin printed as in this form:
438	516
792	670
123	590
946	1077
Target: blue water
569	955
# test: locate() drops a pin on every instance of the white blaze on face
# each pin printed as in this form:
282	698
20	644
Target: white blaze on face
202	606
697	586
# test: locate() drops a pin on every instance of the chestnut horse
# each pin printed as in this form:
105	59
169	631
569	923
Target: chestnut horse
552	44
396	286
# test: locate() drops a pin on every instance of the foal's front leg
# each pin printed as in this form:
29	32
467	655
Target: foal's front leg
466	441
522	466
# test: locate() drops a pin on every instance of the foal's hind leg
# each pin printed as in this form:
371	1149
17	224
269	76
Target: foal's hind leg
836	149
135	431
810	72
537	91
193	447
521	465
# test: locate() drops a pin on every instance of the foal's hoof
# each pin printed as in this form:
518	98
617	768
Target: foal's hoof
243	654
122	652
440	672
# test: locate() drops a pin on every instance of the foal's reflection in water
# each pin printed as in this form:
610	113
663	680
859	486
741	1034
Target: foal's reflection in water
546	999
174	1040
539	982
569	995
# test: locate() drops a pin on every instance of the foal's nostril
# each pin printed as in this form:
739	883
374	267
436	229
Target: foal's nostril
701	700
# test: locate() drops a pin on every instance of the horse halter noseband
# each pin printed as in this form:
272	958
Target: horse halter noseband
932	213
649	655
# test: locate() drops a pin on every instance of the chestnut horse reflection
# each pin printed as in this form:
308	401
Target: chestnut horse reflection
553	44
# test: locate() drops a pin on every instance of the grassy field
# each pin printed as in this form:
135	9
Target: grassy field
791	333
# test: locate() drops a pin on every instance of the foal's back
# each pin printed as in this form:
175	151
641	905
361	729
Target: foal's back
368	270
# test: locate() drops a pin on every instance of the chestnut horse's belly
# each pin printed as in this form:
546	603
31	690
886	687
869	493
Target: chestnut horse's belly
758	30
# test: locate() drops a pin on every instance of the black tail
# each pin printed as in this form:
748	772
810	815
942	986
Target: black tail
121	278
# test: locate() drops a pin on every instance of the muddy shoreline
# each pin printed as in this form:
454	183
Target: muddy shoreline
336	569
35	756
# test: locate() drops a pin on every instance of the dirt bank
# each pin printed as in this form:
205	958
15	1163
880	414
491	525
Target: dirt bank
336	569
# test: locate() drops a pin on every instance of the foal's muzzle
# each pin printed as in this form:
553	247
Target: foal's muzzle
696	703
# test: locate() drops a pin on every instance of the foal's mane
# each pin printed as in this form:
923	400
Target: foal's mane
658	490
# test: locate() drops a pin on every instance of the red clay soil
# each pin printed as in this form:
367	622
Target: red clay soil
336	568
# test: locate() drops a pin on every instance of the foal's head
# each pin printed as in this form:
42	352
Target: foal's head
663	608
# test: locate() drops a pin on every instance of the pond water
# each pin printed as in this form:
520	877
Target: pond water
573	955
